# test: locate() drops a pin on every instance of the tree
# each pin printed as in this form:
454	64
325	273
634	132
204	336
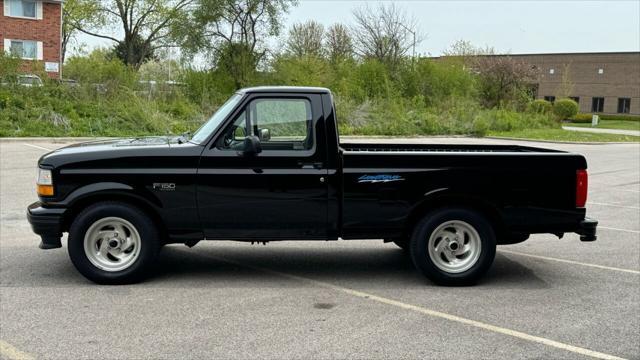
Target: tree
305	39
565	88
233	32
75	14
145	24
466	50
385	35
502	78
339	43
135	51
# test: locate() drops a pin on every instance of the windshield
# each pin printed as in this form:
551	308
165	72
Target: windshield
207	128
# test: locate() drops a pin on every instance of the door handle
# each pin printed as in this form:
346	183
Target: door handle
310	165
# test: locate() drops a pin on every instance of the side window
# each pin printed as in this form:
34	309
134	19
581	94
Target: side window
280	124
283	124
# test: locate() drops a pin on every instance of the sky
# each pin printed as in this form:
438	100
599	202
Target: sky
514	26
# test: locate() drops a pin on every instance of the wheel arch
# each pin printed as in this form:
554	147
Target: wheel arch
80	203
483	207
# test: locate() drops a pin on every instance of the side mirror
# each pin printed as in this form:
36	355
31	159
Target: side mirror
252	146
264	134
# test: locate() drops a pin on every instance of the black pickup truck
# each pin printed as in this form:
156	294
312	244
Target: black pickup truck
269	166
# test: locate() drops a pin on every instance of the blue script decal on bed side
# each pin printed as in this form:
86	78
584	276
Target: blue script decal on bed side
380	178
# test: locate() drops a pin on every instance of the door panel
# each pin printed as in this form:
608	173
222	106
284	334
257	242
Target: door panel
280	193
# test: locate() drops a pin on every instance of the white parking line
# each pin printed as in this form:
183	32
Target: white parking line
429	312
602	267
8	351
616	229
604	187
614	205
37	147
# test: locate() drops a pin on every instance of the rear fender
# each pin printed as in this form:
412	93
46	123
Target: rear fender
445	197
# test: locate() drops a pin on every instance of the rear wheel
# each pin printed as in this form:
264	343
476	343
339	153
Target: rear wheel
113	243
453	246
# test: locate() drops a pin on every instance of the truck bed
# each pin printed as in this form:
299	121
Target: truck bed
382	147
533	189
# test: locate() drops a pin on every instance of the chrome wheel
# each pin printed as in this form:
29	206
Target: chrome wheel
112	244
454	246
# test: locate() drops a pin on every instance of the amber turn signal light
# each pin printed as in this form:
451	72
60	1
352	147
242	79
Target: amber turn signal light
45	190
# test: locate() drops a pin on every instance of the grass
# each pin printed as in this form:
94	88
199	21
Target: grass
611	124
564	135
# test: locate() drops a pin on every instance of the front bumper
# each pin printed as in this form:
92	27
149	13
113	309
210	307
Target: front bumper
588	230
46	222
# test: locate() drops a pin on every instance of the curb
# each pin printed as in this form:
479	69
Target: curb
561	142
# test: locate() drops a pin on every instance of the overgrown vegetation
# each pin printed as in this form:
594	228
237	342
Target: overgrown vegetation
112	99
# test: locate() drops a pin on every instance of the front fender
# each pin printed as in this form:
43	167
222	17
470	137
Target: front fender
105	189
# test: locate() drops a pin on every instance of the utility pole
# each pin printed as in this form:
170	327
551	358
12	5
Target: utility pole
413	58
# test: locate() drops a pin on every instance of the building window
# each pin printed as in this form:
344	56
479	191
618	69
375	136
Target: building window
575	98
550	99
23	8
597	104
624	105
29	50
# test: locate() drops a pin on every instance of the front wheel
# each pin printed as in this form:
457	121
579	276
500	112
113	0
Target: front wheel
113	243
453	246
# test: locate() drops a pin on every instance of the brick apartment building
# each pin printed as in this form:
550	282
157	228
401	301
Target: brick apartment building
31	29
606	83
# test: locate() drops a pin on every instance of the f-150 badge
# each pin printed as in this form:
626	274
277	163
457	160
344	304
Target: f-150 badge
164	186
383	178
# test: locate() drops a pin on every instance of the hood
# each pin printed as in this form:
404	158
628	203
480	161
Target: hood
142	147
124	142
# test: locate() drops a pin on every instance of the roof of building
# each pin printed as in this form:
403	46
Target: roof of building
560	54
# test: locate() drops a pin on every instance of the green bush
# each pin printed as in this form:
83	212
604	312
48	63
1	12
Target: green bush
540	106
581	118
565	108
99	68
586	118
622	117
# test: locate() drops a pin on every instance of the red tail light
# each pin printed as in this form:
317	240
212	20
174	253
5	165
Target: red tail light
582	184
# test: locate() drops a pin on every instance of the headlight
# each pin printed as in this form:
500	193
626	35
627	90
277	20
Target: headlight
45	182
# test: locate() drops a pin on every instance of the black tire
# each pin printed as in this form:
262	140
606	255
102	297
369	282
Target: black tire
420	242
149	243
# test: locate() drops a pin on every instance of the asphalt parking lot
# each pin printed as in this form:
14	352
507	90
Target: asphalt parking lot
544	298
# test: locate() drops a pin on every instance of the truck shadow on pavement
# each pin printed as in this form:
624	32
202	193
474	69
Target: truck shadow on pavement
371	267
244	266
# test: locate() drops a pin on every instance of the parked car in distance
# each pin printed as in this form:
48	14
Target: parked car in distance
70	82
27	80
269	166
